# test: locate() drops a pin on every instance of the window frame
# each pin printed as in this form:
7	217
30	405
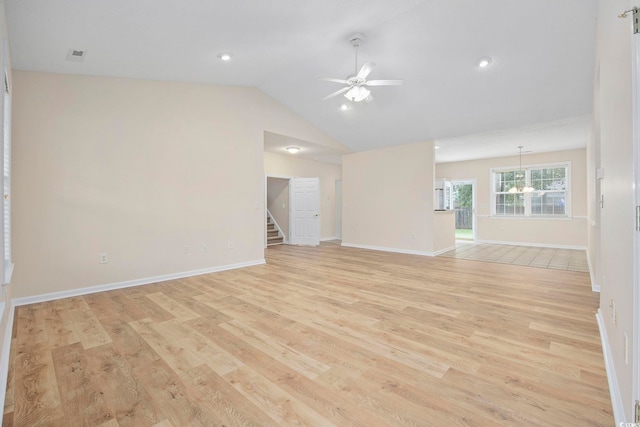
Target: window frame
6	168
527	214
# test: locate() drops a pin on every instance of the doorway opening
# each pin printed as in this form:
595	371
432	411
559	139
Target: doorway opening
292	211
338	209
277	218
463	203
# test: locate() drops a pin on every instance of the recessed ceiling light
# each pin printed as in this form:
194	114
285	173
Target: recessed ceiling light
225	56
436	147
76	55
484	62
293	150
344	107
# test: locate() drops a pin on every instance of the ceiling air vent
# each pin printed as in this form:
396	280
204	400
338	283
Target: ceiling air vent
76	55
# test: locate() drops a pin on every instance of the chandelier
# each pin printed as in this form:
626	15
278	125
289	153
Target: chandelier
520	186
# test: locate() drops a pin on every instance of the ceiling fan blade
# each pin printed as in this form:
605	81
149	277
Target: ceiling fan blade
327	79
385	83
366	69
336	93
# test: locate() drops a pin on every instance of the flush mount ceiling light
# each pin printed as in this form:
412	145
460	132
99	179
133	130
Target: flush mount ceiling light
225	56
484	62
293	150
344	107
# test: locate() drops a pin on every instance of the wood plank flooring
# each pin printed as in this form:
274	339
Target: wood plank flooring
320	337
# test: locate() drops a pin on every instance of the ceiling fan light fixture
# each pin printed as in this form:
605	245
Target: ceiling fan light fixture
355	89
293	149
357	94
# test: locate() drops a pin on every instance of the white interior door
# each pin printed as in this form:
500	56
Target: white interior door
304	218
635	347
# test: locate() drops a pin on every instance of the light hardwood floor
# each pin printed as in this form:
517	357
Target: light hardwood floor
318	336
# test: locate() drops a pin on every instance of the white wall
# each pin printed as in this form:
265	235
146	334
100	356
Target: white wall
137	169
613	147
553	232
388	198
291	166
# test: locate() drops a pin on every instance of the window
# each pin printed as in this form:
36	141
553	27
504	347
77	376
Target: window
507	203
537	191
6	178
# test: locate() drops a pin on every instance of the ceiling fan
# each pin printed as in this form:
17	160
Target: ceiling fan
356	88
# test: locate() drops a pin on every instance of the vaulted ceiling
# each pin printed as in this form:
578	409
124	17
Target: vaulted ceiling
541	74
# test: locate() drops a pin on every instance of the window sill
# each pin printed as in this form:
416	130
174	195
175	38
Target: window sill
535	218
8	272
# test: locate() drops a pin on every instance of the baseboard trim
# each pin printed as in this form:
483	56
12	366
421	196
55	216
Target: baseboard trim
4	359
441	251
386	249
324	239
614	388
535	245
595	287
130	283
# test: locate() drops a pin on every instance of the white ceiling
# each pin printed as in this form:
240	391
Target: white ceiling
542	51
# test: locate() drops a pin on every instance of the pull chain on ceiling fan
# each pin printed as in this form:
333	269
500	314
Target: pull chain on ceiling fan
356	89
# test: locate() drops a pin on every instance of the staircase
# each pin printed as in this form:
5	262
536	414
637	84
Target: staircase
273	235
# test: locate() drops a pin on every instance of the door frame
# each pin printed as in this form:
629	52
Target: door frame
338	202
635	82
474	216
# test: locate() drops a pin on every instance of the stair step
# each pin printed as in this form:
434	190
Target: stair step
274	240
273	236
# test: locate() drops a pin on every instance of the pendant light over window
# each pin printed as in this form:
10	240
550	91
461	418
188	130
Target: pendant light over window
521	186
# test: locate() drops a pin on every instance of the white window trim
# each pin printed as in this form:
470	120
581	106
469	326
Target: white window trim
527	198
6	180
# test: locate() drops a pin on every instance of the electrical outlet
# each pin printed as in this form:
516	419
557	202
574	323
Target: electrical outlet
186	250
104	258
204	247
230	245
